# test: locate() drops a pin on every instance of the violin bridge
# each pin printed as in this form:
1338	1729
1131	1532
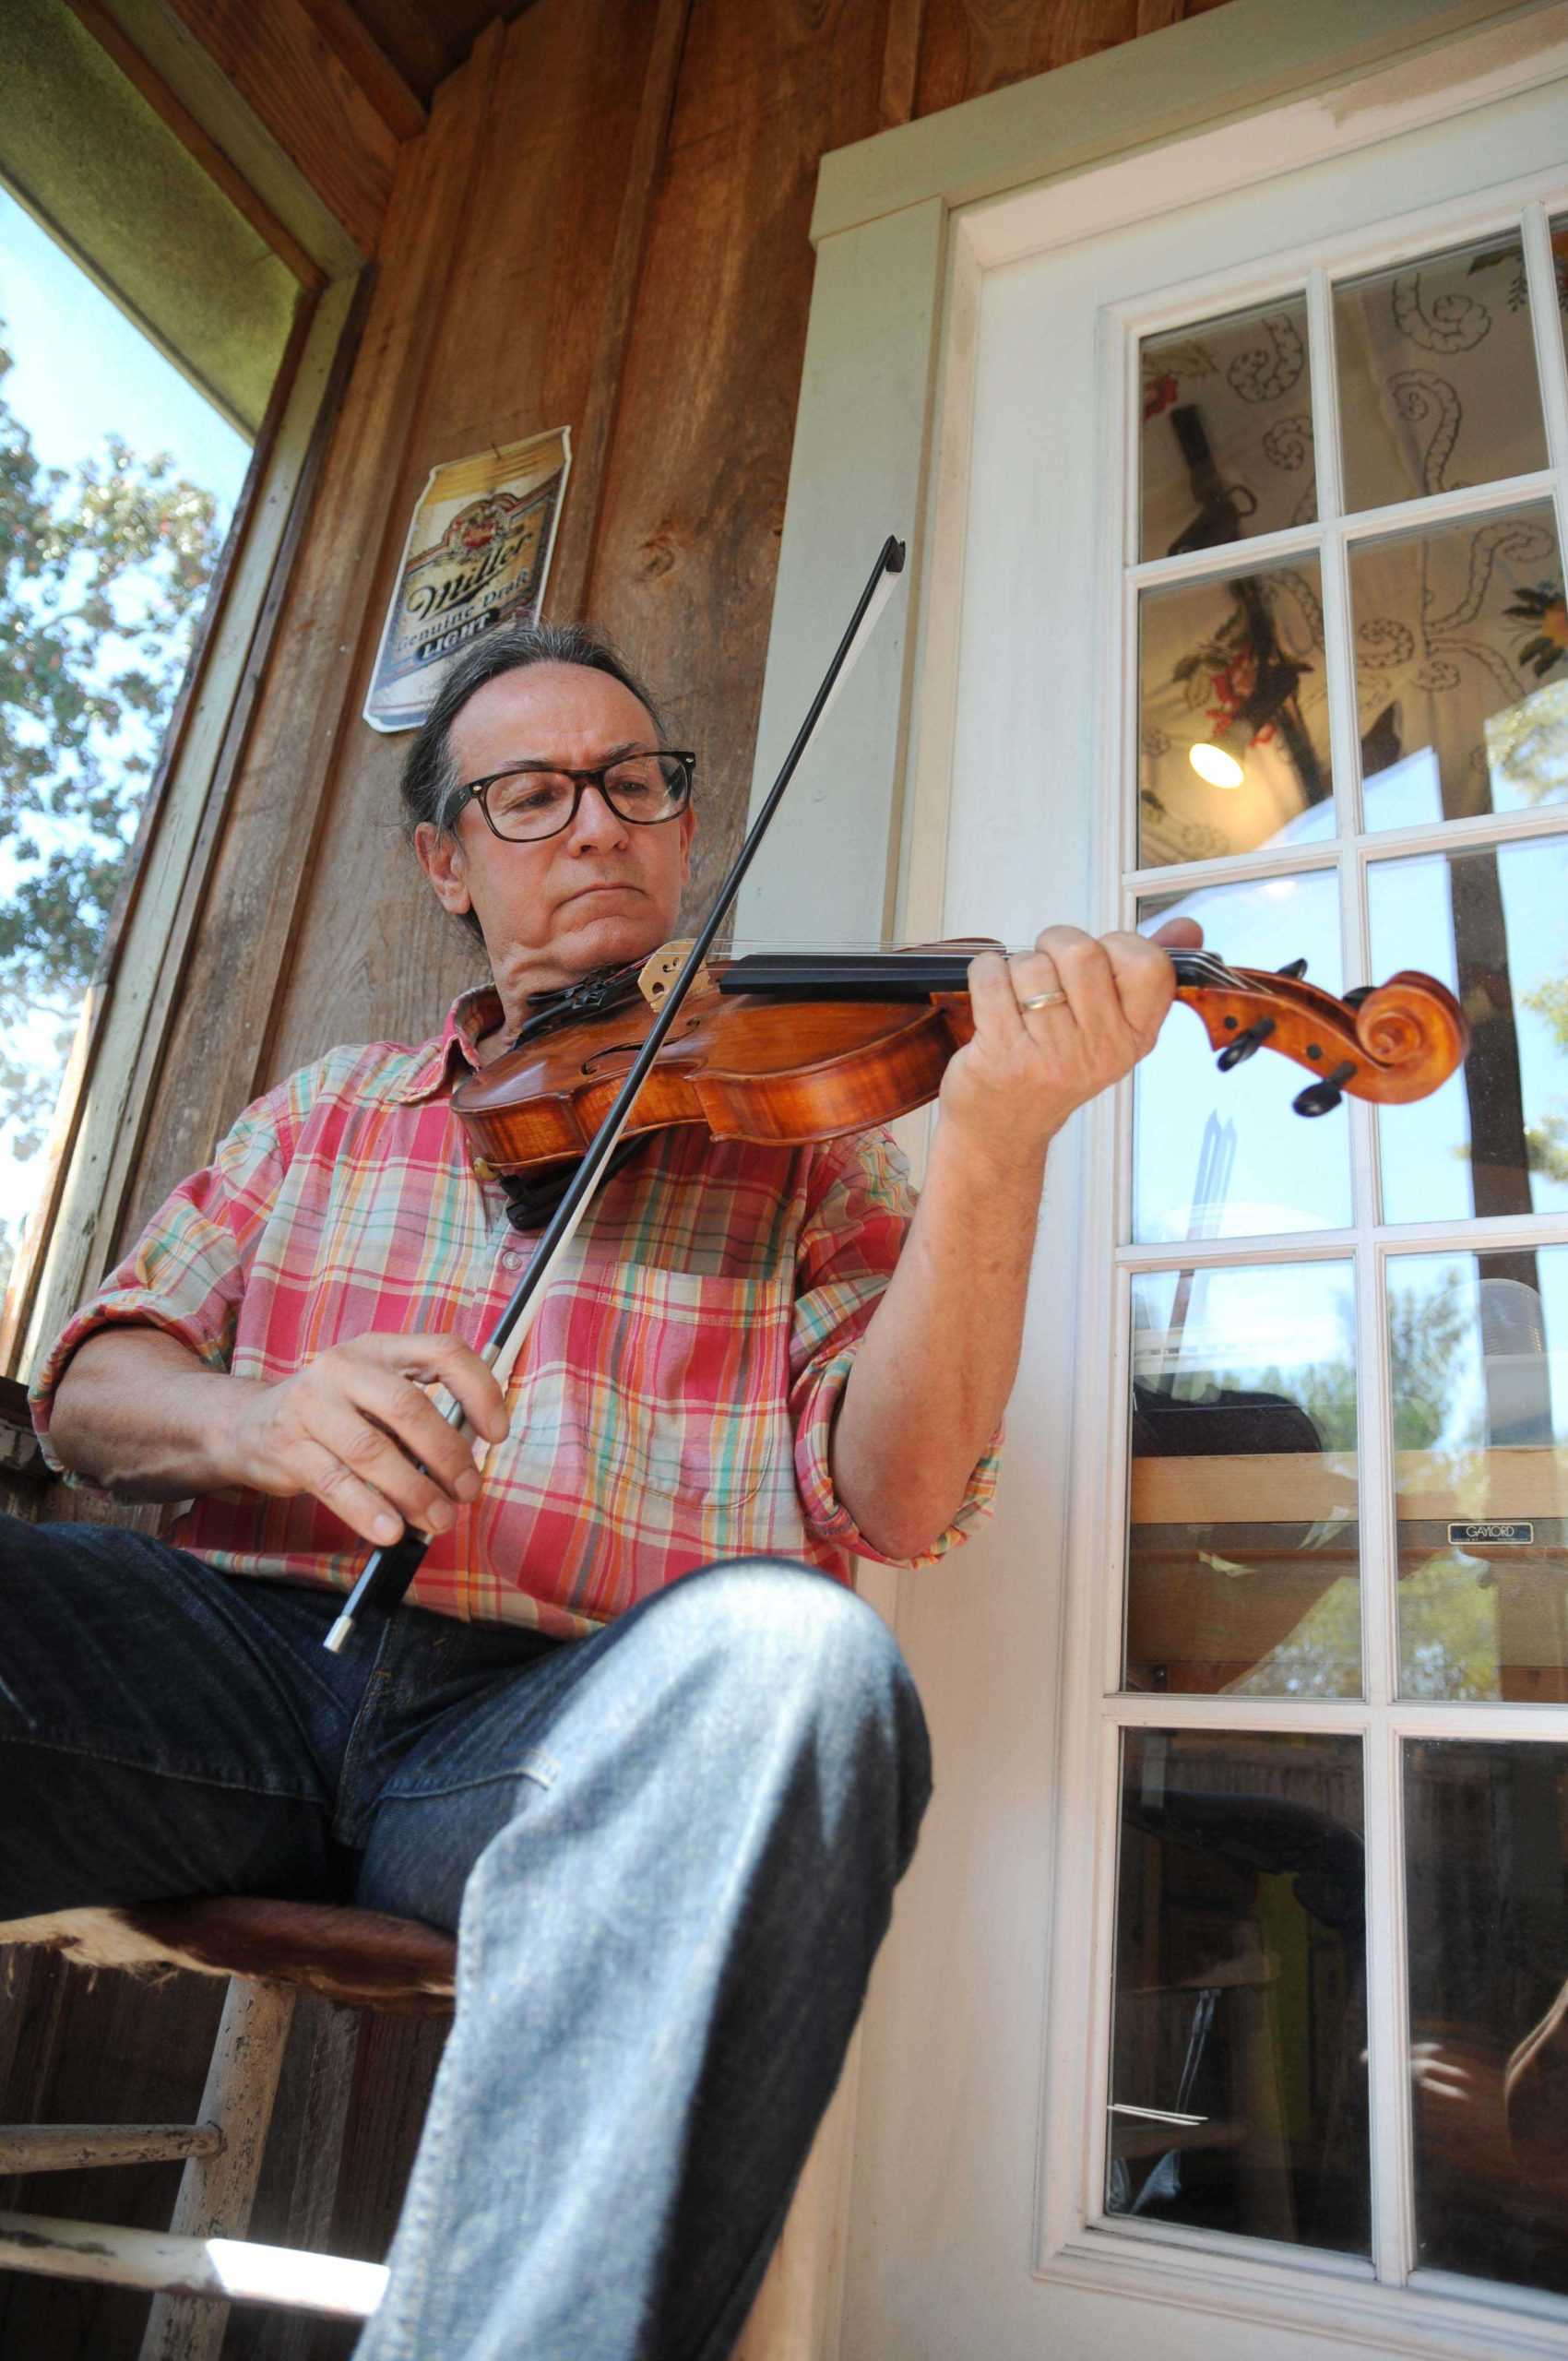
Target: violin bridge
664	965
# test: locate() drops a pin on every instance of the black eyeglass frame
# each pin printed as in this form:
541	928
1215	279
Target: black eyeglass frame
479	789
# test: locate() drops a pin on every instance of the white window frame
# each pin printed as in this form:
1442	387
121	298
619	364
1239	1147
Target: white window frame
907	226
1389	2298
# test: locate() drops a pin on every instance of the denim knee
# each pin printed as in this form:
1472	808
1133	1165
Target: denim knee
797	1641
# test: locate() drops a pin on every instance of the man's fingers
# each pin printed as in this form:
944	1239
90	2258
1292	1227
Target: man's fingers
446	1360
362	1509
993	993
380	1462
405	1411
1145	979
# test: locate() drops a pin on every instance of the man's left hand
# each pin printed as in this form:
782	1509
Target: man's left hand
1010	1090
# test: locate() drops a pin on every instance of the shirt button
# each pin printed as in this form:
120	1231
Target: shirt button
511	1260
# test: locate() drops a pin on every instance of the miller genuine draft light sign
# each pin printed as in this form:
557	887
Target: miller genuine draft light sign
477	556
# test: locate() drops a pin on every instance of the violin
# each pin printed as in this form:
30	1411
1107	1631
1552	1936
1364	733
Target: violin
786	1047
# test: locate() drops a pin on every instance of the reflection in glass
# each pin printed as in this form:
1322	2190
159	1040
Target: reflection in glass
1221	1155
1242	1568
1437	374
1487	1832
1462	670
1232	714
1478	1354
1238	2086
1227	430
1492	925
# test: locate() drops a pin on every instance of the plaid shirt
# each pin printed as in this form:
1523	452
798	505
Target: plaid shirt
675	1398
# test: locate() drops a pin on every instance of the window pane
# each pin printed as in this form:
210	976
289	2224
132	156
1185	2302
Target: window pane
1243	1553
1221	1155
1227	430
1437	374
1461	682
117	481
1478	1354
1492	925
1238	2078
1232	680
1487	1832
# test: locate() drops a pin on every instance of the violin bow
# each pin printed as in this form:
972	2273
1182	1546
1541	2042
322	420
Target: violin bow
389	1571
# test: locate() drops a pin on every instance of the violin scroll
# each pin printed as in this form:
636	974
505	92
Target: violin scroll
1390	1042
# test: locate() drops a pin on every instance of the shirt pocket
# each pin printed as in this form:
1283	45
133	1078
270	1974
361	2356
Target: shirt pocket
659	1380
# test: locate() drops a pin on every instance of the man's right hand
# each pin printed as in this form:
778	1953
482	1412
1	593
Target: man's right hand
355	1429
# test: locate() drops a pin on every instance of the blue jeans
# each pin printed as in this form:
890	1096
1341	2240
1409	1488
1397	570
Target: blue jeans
669	1853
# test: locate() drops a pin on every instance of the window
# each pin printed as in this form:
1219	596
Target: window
1344	1343
168	336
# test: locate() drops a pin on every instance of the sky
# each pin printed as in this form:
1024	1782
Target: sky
81	371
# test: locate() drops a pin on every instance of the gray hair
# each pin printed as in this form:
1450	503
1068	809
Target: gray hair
430	783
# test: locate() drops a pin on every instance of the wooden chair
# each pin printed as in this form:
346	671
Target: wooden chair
272	1951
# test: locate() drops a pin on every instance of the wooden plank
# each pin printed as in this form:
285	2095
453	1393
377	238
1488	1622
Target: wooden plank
973	46
227	2271
340	25
1289	1488
294	81
197	142
578	529
251	912
420	45
687	555
71	2147
523	289
900	62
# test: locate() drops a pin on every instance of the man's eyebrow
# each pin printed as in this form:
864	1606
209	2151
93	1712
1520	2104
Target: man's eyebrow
610	754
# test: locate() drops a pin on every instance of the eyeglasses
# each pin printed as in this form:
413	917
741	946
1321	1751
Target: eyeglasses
534	799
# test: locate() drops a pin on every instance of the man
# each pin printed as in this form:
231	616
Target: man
661	1773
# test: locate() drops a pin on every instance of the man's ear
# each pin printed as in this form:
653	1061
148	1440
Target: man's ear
441	857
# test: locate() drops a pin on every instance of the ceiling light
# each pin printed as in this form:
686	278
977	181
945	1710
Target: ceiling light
1212	764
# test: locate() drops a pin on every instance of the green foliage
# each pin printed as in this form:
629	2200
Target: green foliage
103	570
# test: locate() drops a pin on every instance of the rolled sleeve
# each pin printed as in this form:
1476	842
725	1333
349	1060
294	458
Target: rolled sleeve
186	1273
857	1214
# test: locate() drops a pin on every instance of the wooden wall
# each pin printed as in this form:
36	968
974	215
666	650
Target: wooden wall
604	224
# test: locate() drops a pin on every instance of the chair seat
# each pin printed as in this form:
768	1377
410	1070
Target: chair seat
363	1959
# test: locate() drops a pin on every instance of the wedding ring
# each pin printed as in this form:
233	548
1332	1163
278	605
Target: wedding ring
1043	1000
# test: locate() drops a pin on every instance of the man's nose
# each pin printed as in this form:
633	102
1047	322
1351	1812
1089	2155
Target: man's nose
597	821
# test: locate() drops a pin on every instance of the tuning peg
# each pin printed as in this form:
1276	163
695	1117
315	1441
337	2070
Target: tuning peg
1296	970
1246	1044
1323	1098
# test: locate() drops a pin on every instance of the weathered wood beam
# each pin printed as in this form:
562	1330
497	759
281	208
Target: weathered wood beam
295	83
71	2147
226	2270
404	115
578	535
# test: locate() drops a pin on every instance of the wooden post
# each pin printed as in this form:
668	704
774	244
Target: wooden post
216	2191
